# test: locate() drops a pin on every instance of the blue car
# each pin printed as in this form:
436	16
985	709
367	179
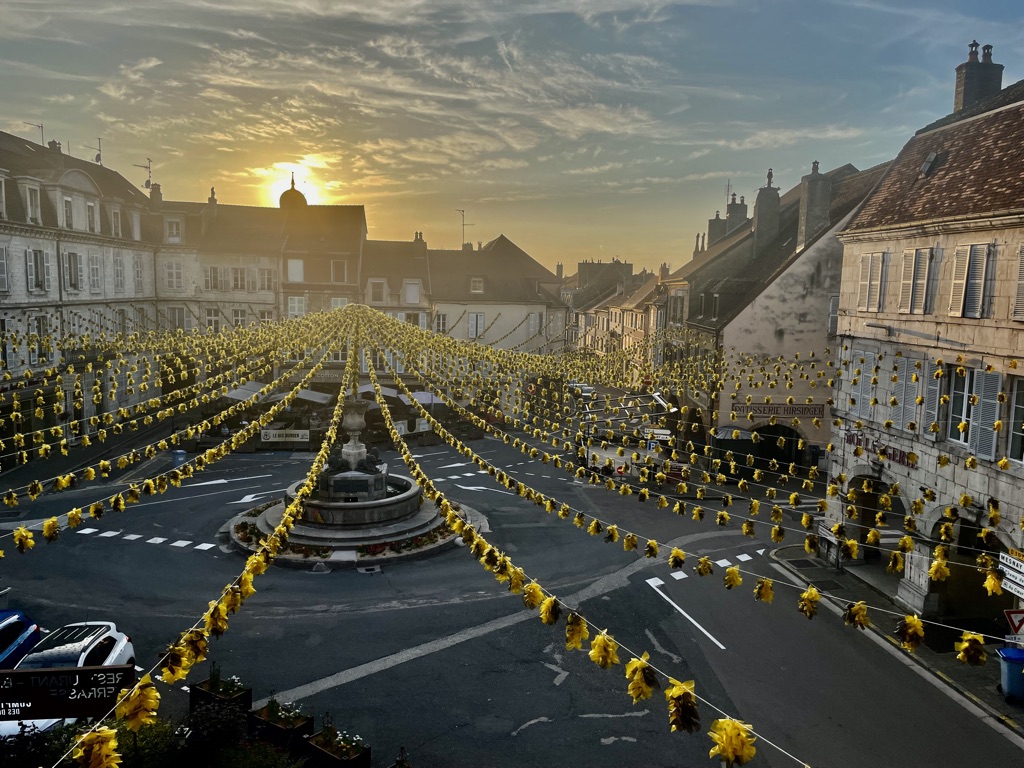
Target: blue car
18	635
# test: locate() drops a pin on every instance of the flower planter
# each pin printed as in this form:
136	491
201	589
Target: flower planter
200	695
287	734
318	756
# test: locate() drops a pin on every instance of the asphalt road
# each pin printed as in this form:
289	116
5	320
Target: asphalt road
436	656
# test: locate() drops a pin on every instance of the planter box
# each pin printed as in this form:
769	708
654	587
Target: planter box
199	695
318	757
287	736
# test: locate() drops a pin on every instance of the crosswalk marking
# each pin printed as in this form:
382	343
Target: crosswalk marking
109	534
181	543
132	537
204	547
454	477
156	540
677	575
743	557
469	474
723	563
86	530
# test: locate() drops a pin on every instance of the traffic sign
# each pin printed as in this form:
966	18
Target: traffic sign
1015	618
1011	562
1013	639
65	692
1013	589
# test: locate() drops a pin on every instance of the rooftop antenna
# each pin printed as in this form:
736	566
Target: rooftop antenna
728	190
149	172
42	138
99	151
464	225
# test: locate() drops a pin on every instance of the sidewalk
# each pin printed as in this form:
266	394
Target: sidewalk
874	586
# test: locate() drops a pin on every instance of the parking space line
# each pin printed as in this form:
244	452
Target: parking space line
655	583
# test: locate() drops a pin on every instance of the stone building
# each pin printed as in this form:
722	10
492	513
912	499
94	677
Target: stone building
931	325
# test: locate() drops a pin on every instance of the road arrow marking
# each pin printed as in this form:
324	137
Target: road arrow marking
249	497
223	481
655	583
456	464
481	488
562	674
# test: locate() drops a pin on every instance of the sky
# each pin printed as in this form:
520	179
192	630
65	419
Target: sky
580	129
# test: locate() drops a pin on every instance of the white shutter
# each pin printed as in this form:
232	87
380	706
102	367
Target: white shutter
47	270
877	278
974	291
30	270
80	266
833	313
1018	302
902	374
909	402
922	261
3	278
907	281
864	283
982	439
931	406
65	269
956	296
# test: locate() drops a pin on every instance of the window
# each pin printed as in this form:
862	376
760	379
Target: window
833	315
376	291
38	328
296	306
173	231
138	268
1018	301
237	318
136	226
914	281
974	403
339	271
476	324
714	306
95	273
4	285
216	278
115	223
413	318
1017	421
700	305
970	265
295	271
266	278
237	278
37	271
118	273
69	214
476	285
266	315
412	291
872	276
863	380
534	324
173	275
904	389
90	217
441	323
250	280
213	320
337	302
960	390
176	318
3	338
32	195
73	271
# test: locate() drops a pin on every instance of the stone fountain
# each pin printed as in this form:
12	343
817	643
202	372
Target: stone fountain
359	514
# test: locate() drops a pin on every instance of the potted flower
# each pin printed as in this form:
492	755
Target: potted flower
217	689
280	724
336	748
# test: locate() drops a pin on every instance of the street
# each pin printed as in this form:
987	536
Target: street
436	656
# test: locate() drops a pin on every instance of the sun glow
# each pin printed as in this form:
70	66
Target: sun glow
311	179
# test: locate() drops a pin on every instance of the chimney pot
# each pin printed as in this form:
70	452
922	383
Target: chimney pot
976	80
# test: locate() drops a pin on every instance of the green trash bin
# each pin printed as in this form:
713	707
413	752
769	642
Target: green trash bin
1011	673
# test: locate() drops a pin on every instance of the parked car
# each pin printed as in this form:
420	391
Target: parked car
84	644
579	389
18	635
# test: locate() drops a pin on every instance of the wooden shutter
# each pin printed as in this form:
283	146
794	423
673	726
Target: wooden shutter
864	283
1018	301
47	268
956	295
30	270
974	290
907	271
875	282
931	407
982	439
922	261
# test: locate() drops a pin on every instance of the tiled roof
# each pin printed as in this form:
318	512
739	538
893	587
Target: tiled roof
978	169
396	258
510	274
325	228
241	229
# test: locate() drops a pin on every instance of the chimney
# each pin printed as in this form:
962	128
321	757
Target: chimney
977	80
558	271
716	229
766	215
696	246
156	198
663	272
735	214
467	246
209	212
419	245
815	201
54	145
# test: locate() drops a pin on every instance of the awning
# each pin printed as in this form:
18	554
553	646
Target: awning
244	391
426	398
309	395
386	391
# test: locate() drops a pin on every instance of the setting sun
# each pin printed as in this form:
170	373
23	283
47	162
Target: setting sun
308	181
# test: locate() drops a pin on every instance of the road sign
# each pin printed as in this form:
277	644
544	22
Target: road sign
1013	589
1015	618
1013	639
65	692
824	532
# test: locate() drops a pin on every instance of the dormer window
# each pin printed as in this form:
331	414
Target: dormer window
173	231
32	197
714	306
90	216
115	223
700	305
476	285
69	214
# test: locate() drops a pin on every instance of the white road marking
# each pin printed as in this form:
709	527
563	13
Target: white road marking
479	488
760	551
181	543
86	530
132	536
655	583
723	563
109	534
253	496
677	575
743	557
156	540
657	646
641	713
612	739
456	464
470	474
528	724
562	674
454	477
204	547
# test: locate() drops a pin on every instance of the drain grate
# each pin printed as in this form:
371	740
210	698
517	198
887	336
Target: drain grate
369	569
801	564
828	585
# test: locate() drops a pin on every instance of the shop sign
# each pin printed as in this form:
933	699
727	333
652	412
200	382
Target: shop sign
65	692
766	410
879	449
824	532
284	435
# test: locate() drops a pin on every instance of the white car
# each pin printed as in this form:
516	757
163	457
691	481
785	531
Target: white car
579	389
84	644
